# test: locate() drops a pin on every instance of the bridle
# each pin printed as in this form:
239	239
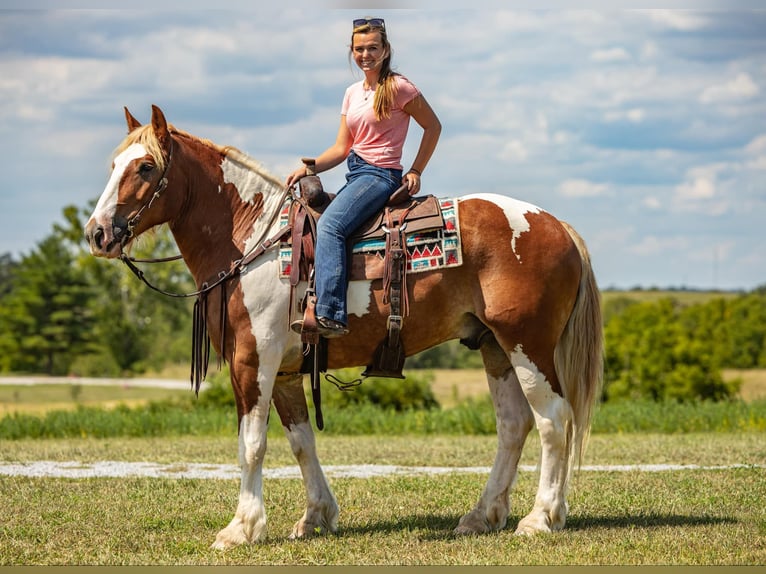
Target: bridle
236	266
162	184
200	338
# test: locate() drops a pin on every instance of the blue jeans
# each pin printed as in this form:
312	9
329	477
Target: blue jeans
366	191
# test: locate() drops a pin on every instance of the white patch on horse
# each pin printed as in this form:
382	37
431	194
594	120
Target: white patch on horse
107	203
530	377
553	418
248	182
515	211
359	297
265	297
249	522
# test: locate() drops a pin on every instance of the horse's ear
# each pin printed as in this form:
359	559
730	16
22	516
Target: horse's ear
133	123
160	126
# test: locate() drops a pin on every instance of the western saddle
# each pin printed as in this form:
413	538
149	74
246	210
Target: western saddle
402	214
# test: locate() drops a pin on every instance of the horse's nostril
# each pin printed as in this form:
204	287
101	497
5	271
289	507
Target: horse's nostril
98	237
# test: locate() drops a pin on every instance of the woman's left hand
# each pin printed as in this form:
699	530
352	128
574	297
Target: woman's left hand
412	181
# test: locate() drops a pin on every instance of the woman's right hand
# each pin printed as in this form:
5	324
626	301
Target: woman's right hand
293	178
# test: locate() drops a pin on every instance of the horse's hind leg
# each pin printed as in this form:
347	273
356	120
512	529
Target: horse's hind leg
321	514
514	421
553	417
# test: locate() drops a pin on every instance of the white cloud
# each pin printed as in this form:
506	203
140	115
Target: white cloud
633	115
683	20
741	87
582	188
610	55
757	145
652	203
699	187
514	150
656	245
701	181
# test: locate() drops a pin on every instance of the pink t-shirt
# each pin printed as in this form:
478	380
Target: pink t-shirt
378	142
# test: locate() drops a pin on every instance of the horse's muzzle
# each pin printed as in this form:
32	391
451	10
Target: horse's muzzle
105	241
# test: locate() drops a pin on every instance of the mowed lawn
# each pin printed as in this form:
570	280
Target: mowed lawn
704	516
708	516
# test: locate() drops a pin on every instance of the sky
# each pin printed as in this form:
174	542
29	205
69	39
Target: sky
644	129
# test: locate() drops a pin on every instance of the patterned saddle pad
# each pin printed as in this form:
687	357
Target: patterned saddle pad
426	250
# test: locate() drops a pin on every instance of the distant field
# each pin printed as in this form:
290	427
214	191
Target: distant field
450	386
685	297
39	399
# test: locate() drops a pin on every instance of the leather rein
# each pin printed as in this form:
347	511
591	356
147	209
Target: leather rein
200	338
236	266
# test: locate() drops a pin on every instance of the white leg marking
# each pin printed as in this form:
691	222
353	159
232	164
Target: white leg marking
321	514
514	421
266	301
553	416
249	522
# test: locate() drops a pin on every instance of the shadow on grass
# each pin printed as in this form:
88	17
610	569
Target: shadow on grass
440	526
644	521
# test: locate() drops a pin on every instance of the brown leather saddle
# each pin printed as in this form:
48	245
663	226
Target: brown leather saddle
402	215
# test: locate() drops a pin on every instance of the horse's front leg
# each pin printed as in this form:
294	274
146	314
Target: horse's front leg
321	514
249	522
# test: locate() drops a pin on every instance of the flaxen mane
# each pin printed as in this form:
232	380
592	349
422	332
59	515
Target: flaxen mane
144	135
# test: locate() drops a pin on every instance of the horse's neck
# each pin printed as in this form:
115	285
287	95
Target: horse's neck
227	219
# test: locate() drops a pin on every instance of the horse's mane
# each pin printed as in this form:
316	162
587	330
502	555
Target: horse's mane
144	135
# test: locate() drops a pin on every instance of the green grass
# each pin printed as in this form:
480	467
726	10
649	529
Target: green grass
471	417
705	449
688	517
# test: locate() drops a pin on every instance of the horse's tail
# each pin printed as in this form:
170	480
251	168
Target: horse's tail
578	357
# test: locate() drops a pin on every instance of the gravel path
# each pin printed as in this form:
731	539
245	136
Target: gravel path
112	469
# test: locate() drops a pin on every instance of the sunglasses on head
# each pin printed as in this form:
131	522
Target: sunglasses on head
374	22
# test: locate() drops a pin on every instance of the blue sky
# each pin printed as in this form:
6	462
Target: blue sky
644	129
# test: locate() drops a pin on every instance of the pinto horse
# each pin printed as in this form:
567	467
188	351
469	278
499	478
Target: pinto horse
525	292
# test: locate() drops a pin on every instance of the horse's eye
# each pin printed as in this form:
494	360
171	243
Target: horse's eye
146	167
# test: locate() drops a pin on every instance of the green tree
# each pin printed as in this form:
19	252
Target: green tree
135	328
661	351
7	269
44	317
63	311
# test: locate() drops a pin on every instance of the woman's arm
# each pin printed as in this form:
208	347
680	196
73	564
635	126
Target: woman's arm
426	118
330	157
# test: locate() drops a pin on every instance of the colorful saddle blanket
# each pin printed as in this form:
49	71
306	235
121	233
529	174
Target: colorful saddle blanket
426	250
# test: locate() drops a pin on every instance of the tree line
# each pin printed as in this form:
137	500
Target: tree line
64	312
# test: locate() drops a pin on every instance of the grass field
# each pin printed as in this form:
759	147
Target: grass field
38	399
676	517
450	386
701	517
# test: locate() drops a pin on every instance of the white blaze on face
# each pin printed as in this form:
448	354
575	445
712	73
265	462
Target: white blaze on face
515	211
107	203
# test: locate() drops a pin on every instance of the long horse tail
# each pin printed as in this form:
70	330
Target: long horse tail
578	357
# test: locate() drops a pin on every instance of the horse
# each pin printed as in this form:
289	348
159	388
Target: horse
525	293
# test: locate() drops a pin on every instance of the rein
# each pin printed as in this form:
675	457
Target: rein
200	337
